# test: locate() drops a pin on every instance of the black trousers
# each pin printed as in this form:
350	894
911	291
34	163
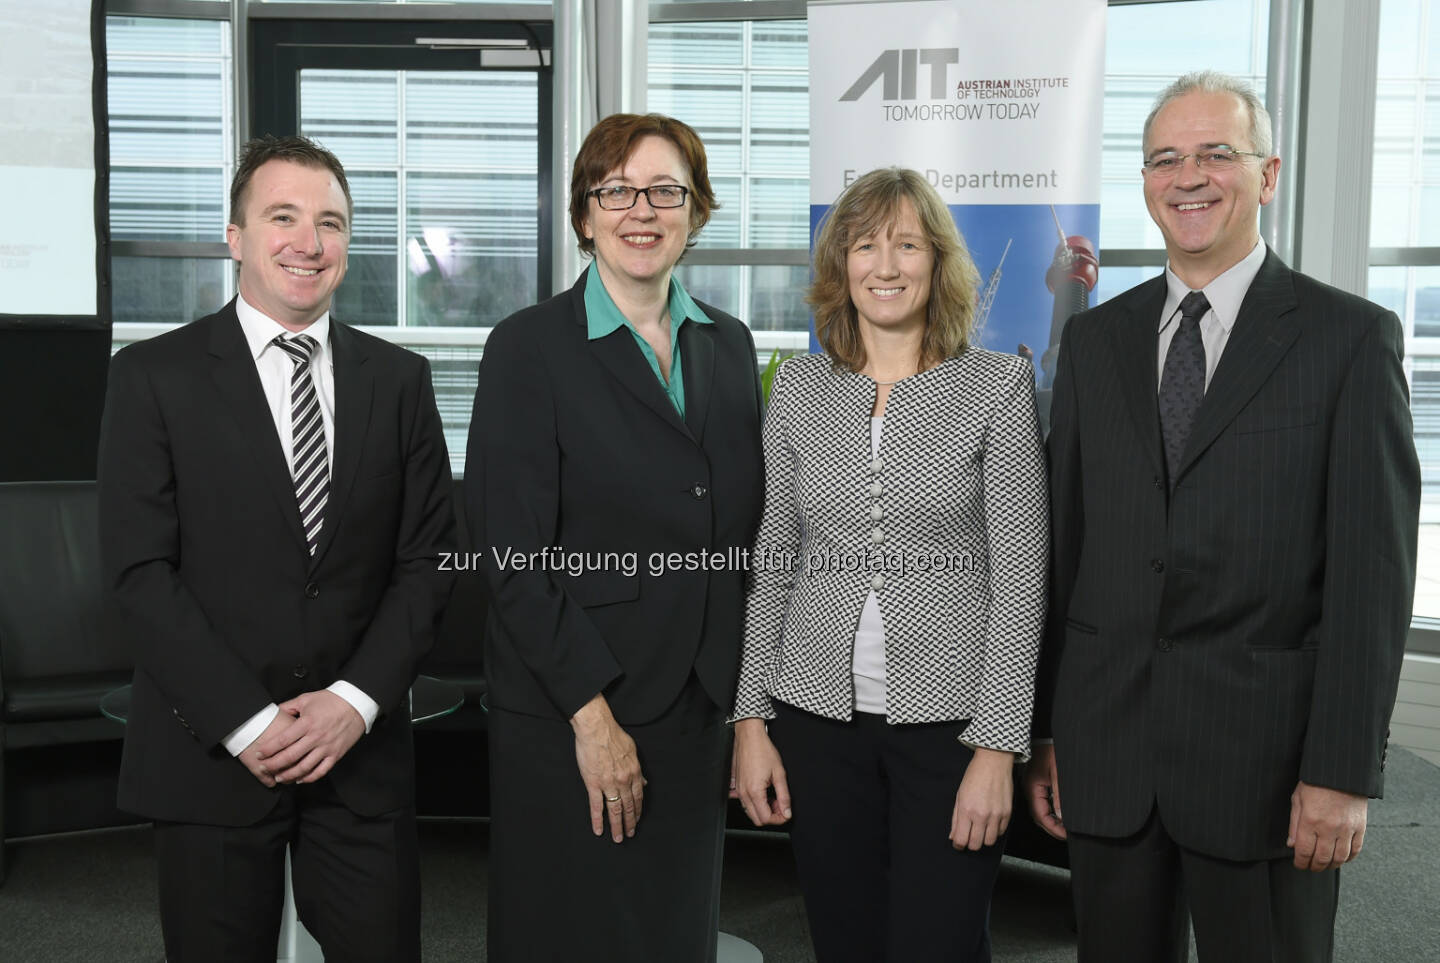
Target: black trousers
872	807
1132	897
356	879
558	893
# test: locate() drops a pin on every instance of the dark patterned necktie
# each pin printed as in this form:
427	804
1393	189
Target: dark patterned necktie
1182	382
311	469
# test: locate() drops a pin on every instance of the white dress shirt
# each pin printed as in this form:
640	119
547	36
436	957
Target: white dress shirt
1226	293
275	369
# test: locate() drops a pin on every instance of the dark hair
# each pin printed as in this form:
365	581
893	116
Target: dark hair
870	205
261	150
611	142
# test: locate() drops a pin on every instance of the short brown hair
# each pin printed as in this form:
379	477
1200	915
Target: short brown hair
259	151
611	142
866	207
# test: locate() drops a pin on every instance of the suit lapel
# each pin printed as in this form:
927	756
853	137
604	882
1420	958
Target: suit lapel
354	388
697	359
621	357
1133	338
239	385
1264	331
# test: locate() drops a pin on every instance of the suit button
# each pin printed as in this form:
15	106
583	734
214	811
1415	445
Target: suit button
876	490
1159	483
1164	645
300	671
878	582
876	465
876	513
1157	565
699	491
312	591
877	536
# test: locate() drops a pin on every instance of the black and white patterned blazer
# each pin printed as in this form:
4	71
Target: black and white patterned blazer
949	526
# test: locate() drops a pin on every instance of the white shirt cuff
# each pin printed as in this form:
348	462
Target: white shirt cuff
250	730
362	703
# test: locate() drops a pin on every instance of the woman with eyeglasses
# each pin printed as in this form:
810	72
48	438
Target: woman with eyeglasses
887	676
612	482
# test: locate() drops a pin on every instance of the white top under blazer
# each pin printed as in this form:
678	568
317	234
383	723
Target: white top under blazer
948	525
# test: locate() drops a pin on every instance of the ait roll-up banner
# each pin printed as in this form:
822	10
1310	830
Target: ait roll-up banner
999	106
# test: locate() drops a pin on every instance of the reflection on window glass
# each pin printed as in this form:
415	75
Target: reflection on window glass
442	165
152	290
170	148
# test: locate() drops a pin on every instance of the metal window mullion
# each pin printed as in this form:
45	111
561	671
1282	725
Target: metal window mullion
402	205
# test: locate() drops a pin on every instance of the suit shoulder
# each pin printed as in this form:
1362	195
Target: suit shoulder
178	346
387	353
996	364
536	324
1314	294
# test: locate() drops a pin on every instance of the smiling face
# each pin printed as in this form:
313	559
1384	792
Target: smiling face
890	273
1208	219
643	243
294	245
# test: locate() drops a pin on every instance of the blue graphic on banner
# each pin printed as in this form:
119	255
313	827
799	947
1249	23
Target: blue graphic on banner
1018	305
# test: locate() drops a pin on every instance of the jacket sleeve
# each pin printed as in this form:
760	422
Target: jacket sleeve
774	562
209	686
1017	534
1372	519
1067	529
407	618
512	492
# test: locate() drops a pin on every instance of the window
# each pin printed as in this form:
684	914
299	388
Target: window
1405	243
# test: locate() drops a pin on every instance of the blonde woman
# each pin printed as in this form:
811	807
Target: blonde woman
893	618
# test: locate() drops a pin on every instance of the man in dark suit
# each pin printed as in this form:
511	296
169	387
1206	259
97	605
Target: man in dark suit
1235	505
275	499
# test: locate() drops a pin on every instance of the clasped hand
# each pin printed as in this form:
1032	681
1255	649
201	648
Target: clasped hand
310	734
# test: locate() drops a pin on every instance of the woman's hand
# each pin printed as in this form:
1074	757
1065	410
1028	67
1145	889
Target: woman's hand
610	769
754	770
982	803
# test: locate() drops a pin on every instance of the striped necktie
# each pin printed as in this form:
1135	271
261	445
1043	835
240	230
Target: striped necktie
311	468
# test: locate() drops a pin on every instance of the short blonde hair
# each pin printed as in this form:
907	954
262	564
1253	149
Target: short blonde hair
866	207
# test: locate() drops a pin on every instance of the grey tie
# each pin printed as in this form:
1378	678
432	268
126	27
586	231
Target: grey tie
1182	382
311	469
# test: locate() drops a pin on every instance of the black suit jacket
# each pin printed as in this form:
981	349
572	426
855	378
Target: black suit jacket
211	581
575	446
1207	649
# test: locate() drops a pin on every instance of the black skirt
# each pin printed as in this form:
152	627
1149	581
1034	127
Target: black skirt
560	893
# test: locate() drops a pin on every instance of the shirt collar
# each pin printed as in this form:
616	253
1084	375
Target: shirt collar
603	317
261	329
1226	293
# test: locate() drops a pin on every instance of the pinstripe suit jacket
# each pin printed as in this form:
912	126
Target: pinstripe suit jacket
960	478
1207	649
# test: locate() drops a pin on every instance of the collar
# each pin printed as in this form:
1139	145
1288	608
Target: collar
603	317
261	329
1226	293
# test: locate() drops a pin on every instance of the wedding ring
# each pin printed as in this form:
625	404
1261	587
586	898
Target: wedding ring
612	798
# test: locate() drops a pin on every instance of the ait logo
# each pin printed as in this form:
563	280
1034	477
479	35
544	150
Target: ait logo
898	72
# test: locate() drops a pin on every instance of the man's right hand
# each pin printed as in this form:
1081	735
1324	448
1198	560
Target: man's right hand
250	757
1042	788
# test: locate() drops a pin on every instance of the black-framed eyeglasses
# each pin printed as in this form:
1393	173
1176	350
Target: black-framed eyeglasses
622	197
1212	160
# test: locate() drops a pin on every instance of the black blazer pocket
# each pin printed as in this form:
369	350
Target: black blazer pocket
1276	419
1081	627
591	589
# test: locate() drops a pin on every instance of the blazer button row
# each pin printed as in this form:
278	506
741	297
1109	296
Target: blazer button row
877	535
312	591
699	491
